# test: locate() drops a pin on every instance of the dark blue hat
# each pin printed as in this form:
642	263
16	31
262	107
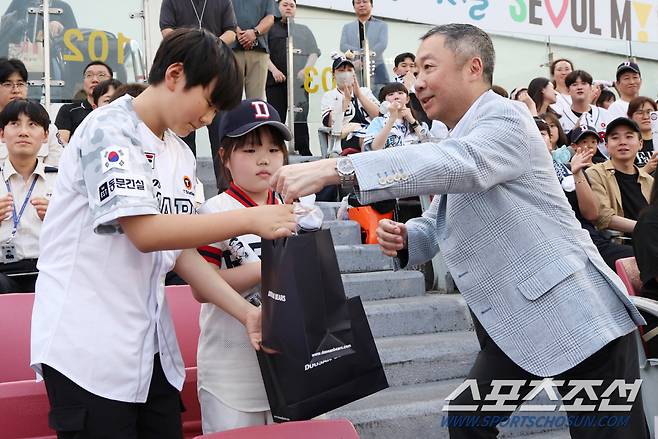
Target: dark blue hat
577	134
622	121
627	66
249	115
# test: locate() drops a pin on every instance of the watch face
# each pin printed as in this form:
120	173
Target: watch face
345	166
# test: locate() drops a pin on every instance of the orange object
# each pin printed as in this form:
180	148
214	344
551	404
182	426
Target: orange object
368	218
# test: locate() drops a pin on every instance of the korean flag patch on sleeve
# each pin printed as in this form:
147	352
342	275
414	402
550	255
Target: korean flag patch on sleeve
114	157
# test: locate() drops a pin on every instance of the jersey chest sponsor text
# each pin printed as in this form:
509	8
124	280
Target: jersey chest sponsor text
175	205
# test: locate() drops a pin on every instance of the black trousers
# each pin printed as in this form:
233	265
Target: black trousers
616	360
76	413
18	277
277	96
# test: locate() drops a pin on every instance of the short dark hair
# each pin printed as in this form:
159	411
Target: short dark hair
253	137
10	66
98	63
637	103
391	87
401	57
31	109
542	125
500	91
204	59
103	88
576	75
371	2
468	41
605	95
133	89
554	63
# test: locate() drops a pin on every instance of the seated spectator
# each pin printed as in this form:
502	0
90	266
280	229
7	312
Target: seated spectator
405	69
133	89
639	109
582	112
543	94
13	86
621	187
348	109
628	83
586	138
398	126
559	69
70	116
577	189
102	94
405	72
24	196
606	99
560	149
645	243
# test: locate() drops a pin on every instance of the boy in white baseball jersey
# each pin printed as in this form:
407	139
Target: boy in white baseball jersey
102	336
230	385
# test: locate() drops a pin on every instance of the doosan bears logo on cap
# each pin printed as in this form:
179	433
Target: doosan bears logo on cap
261	111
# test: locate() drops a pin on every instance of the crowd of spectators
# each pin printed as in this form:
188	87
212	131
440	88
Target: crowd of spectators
599	133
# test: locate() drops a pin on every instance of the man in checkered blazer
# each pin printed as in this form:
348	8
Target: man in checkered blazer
544	302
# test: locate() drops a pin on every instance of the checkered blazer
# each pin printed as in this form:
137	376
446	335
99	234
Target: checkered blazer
528	271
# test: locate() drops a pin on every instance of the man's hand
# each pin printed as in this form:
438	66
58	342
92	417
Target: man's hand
247	38
278	75
6	206
272	221
392	237
41	205
294	181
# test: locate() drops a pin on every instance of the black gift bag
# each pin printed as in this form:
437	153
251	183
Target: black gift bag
305	314
299	391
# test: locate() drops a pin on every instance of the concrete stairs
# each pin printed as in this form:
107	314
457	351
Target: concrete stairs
425	340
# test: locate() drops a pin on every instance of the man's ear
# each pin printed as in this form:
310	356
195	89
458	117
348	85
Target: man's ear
173	75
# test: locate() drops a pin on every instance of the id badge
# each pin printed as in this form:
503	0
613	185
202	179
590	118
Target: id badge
8	251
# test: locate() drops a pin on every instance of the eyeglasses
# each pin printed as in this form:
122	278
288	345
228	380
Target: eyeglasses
643	113
8	85
101	76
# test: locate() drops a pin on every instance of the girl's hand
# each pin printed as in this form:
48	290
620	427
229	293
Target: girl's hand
581	160
395	111
272	222
406	115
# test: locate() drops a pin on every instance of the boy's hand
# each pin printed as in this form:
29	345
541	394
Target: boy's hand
392	237
41	205
253	325
6	206
272	222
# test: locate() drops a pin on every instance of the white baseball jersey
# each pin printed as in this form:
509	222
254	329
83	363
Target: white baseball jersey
597	117
100	313
226	361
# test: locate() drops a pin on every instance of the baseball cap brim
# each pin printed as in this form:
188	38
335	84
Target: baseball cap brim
584	134
244	129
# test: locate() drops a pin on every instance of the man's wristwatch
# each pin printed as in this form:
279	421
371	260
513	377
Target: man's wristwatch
346	172
257	32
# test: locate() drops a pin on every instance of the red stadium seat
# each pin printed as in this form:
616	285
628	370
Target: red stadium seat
184	311
316	429
630	275
15	318
24	410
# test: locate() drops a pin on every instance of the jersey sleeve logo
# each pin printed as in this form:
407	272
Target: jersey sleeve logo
125	185
114	158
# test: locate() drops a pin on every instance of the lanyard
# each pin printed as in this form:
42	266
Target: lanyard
17	218
203	10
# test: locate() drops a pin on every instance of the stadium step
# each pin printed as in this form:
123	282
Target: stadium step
377	285
343	232
415	411
415	359
426	314
360	258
